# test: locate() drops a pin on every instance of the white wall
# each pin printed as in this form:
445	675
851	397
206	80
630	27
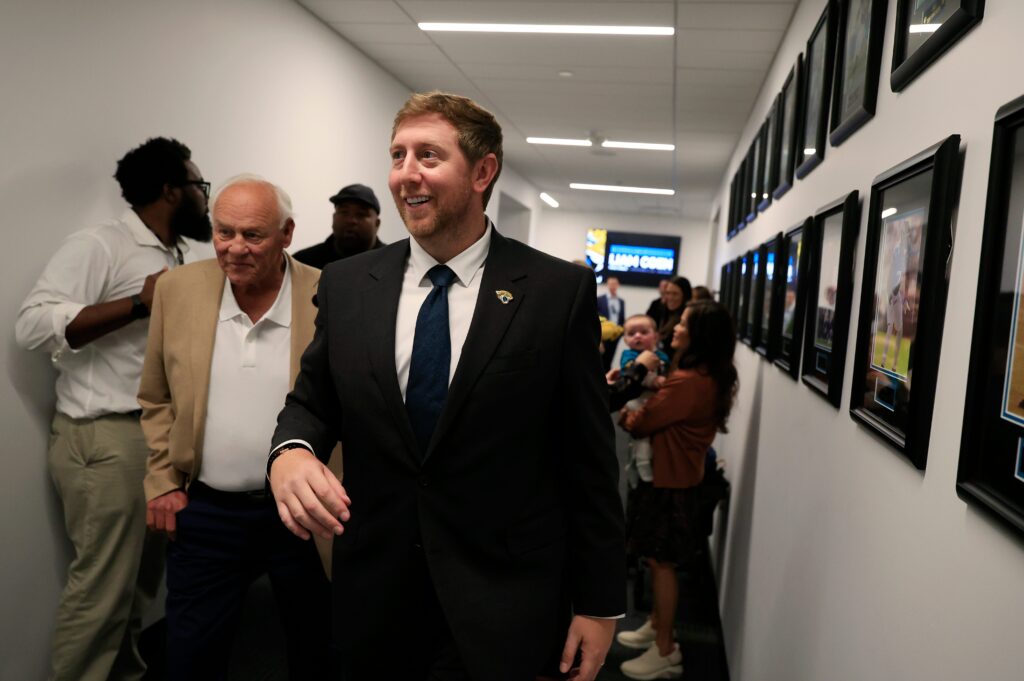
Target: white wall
843	562
564	234
251	86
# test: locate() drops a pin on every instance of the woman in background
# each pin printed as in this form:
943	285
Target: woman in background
681	419
678	293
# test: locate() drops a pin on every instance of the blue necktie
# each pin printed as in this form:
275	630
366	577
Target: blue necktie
431	359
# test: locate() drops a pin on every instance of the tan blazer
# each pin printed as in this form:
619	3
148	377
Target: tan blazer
175	381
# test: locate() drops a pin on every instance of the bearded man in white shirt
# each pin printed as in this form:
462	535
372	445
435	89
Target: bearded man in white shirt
89	310
224	349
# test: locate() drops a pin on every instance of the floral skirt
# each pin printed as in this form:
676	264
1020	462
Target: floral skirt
661	524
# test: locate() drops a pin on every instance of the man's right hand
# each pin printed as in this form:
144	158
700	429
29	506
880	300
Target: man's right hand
161	512
146	294
309	496
649	360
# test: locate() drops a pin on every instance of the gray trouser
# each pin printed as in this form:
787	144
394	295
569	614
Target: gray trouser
98	465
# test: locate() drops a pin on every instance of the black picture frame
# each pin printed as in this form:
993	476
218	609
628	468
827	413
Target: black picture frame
916	247
832	253
737	287
912	54
990	472
753	160
730	216
769	155
771	292
859	35
792	298
743	304
819	60
755	298
789	127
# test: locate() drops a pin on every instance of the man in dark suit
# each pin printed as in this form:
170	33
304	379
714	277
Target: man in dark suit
483	535
612	308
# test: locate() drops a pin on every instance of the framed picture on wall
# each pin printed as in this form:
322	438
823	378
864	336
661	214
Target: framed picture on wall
789	127
925	29
793	298
744	299
903	298
737	292
821	47
738	207
861	27
730	216
991	470
769	152
830	277
771	258
723	285
753	160
754	295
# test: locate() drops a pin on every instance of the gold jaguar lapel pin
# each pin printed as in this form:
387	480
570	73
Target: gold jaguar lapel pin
504	296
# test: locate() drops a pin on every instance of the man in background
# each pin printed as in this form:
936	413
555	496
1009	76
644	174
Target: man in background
354	229
612	308
223	352
90	311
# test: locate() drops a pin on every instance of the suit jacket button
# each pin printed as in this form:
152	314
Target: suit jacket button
424	482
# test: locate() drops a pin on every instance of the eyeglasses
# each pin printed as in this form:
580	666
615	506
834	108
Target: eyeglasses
204	186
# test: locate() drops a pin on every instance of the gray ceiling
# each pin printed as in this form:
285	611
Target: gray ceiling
621	87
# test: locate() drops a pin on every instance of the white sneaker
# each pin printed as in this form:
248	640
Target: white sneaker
641	639
652	665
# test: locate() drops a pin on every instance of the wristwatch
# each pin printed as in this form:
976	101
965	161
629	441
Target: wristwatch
139	309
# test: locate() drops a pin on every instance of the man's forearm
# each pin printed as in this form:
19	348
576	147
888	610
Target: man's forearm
96	321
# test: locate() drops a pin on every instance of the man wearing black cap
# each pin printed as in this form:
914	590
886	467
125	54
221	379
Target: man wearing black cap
354	230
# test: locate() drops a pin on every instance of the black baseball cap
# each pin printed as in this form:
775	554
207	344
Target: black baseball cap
357	192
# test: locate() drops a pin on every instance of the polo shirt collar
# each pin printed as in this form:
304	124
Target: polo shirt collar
280	312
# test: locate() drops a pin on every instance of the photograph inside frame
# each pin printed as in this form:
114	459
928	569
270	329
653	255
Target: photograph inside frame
855	56
924	18
795	243
897	295
769	278
1013	384
828	287
752	311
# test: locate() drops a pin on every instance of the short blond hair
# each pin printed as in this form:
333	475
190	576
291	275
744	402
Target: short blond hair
478	131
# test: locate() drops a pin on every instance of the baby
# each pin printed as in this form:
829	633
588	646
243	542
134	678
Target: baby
641	334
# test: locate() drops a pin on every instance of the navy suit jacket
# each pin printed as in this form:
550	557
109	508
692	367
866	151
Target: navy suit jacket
602	309
514	505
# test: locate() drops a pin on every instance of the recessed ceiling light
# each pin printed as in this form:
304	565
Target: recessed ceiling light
566	74
549	28
638	145
618	188
546	198
559	140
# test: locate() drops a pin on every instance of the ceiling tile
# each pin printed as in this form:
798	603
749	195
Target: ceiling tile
350	11
541	12
397	34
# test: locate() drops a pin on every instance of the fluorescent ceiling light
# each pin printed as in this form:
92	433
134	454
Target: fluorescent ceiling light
546	198
548	28
888	213
638	145
617	188
925	28
559	140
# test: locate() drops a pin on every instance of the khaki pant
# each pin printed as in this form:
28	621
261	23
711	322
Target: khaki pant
98	465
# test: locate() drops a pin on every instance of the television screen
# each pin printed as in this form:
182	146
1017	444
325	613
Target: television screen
636	259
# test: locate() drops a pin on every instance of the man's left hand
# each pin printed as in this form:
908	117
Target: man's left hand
592	636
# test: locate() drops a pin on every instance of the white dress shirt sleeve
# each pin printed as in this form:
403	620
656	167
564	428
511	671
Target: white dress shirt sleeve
75	277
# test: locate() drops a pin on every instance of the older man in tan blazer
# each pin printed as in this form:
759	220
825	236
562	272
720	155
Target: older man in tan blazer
224	345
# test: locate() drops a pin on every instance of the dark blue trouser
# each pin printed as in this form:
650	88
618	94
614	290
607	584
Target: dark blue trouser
224	542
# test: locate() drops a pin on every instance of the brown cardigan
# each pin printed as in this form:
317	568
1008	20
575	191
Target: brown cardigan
680	420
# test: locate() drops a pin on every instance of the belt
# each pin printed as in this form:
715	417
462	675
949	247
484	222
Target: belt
242	499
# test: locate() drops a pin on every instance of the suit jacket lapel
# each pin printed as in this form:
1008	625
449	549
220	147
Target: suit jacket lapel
379	315
204	315
491	318
303	314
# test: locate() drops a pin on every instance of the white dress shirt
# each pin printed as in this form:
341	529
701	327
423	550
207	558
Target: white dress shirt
97	265
468	267
249	378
